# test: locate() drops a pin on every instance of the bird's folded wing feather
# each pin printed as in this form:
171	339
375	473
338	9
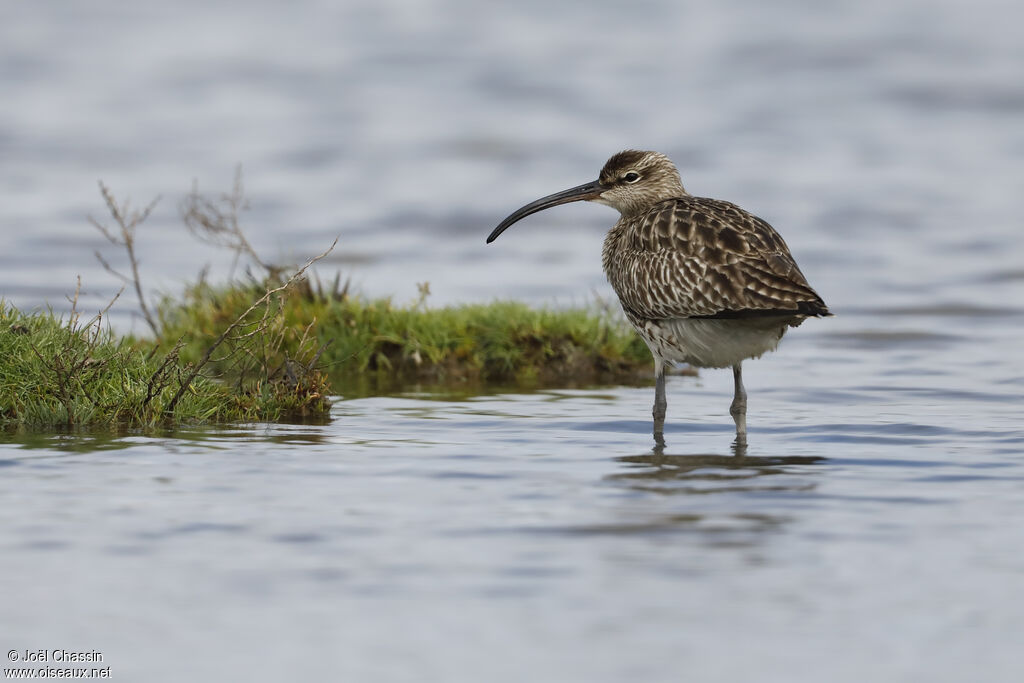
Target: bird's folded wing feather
699	257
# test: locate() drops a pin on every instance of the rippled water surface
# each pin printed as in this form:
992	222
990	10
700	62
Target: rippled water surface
872	530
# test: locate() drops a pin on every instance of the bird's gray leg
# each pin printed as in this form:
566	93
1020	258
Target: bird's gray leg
660	404
738	409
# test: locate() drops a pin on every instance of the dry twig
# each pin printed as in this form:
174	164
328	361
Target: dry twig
215	221
127	221
240	321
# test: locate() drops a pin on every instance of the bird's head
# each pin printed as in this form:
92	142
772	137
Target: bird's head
630	182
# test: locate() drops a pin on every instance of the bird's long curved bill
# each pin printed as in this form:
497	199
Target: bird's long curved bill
591	190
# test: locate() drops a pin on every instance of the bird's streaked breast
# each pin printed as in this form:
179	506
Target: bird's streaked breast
698	257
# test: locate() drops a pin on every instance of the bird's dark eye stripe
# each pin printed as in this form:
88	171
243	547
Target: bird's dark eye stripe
631	177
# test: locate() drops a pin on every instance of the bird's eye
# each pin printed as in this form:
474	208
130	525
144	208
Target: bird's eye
631	177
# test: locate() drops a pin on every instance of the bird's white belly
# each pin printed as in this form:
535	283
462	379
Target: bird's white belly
711	343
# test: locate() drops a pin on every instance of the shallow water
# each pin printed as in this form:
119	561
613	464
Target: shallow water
870	532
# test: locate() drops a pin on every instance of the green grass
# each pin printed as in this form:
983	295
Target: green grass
375	346
283	358
56	372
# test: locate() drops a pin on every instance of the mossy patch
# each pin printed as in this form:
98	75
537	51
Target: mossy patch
376	345
61	372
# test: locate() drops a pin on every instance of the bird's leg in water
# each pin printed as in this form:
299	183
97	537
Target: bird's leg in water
738	409
660	404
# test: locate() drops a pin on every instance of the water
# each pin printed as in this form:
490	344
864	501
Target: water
870	532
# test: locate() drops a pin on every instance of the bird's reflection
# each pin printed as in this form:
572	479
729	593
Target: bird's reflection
738	447
703	479
736	470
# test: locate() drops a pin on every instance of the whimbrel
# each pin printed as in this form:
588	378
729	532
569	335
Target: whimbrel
702	281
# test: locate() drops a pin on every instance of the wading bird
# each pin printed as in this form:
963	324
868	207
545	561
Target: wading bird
702	281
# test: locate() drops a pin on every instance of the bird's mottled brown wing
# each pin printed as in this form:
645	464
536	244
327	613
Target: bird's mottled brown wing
698	257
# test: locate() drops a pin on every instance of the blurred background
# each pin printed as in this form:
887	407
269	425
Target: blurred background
883	139
873	533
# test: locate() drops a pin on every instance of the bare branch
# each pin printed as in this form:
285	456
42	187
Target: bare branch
110	269
73	300
110	304
127	221
215	221
239	322
106	233
161	377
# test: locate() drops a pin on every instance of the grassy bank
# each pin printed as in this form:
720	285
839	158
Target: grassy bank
283	359
65	372
372	346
